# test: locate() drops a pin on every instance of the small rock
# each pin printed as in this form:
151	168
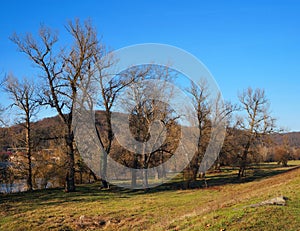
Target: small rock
274	201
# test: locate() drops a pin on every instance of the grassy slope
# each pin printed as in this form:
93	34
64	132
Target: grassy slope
215	208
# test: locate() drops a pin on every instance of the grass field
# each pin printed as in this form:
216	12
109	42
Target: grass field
224	205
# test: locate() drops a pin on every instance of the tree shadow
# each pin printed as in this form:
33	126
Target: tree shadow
92	192
254	173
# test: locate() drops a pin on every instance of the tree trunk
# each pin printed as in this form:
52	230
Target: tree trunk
145	178
145	168
284	163
133	178
80	176
242	167
218	165
29	178
70	177
103	157
193	167
133	172
103	170
28	147
93	175
162	166
110	137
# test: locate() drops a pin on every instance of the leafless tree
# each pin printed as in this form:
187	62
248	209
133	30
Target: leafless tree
24	97
212	116
202	106
222	113
146	102
255	125
62	71
111	85
283	152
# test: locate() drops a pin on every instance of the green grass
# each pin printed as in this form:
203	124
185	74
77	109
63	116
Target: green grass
223	205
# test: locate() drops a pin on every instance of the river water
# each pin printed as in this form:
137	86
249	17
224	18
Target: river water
20	186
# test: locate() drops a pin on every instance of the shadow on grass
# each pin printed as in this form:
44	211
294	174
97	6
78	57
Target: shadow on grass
91	192
226	176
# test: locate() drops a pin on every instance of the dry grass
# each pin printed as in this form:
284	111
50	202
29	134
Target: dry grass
221	206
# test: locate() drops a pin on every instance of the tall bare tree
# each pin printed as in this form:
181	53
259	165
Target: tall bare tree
111	85
24	97
255	125
62	72
146	102
222	113
202	106
212	115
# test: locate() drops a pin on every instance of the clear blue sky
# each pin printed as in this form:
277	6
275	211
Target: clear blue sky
243	43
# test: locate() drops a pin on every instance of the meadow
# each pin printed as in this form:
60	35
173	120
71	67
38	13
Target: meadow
224	205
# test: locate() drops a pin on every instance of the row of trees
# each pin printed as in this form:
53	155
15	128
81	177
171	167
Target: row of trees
64	70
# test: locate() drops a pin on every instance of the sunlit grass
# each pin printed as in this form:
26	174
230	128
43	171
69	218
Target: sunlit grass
223	205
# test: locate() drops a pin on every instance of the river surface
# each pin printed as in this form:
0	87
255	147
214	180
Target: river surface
20	186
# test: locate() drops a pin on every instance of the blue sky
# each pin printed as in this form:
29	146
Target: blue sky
243	43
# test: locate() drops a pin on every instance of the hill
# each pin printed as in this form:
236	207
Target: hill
43	131
219	207
293	138
49	128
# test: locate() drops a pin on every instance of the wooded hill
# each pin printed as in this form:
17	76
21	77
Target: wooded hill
48	130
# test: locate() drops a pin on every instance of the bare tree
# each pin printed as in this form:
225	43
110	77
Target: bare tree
146	102
202	107
283	152
111	85
62	72
255	125
24	97
211	117
222	113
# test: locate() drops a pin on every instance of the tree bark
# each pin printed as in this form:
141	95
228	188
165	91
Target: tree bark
242	169
28	148
70	177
